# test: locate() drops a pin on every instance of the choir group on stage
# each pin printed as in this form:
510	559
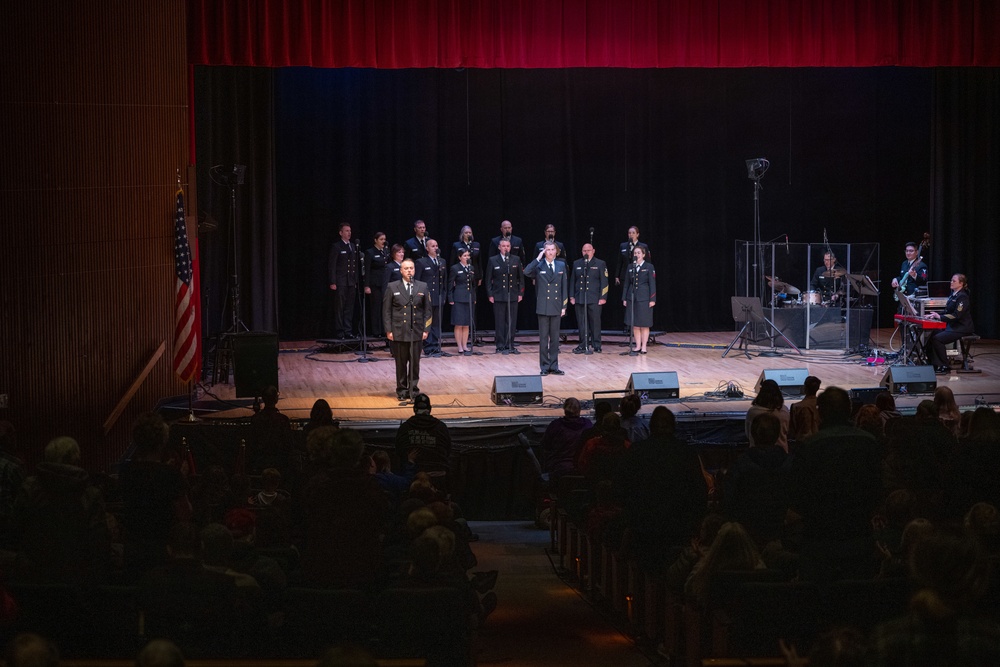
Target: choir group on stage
500	275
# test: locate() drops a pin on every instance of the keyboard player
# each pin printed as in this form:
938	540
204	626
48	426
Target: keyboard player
958	316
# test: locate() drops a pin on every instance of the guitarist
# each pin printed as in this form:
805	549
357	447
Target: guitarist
913	272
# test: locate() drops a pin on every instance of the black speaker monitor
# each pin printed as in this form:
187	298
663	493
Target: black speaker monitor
791	381
910	380
516	389
654	386
255	362
863	396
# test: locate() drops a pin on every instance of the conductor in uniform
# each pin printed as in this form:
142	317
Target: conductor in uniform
505	289
589	293
344	267
553	294
406	313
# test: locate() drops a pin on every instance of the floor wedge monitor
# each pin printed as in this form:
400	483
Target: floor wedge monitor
910	380
516	389
654	386
791	381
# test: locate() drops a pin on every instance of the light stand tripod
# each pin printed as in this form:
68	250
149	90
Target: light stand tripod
232	176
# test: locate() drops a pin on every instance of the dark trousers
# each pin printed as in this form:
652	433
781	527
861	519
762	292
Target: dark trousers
433	341
588	319
936	353
548	342
505	316
376	327
407	356
344	303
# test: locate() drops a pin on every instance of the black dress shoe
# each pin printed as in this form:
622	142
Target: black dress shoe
557	372
578	350
544	373
942	370
597	350
515	351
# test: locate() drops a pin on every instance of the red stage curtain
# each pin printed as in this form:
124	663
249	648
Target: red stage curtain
594	33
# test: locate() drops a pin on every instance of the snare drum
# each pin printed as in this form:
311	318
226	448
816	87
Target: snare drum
814	298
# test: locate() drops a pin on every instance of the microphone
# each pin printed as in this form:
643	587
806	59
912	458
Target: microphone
786	244
591	231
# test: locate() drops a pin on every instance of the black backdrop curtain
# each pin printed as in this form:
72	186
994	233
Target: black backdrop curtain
863	153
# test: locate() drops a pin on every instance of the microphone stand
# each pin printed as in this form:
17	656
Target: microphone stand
412	346
364	358
440	307
509	296
586	313
631	327
470	274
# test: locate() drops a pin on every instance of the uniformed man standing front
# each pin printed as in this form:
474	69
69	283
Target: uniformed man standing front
505	289
553	294
589	293
406	313
344	268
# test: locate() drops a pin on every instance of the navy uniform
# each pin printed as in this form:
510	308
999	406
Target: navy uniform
416	248
516	247
550	306
626	257
462	281
475	254
434	272
406	313
344	268
559	244
505	286
640	289
375	281
958	315
590	291
392	273
911	284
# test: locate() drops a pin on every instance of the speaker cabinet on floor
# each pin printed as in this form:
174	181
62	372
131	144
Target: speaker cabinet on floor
910	380
516	389
791	381
654	386
255	362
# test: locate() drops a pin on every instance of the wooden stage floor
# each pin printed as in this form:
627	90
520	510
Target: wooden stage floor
459	387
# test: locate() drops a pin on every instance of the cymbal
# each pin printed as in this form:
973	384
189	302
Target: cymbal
834	273
780	286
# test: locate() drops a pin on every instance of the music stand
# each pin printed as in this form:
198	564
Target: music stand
747	309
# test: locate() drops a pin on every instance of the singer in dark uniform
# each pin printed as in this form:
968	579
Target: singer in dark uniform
406	315
958	315
550	235
516	244
913	272
344	268
553	295
416	247
466	241
589	293
396	256
626	253
433	271
505	289
639	298
376	259
462	296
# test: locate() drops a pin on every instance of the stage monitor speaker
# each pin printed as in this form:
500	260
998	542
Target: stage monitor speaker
516	389
864	396
255	362
654	386
791	381
612	397
910	380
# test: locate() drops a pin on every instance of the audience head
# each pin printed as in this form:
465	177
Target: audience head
811	385
319	442
216	545
31	650
765	430
944	399
269	396
422	404
983	522
732	549
662	422
242	523
383	462
630	405
869	418
149	435
160	653
425	554
834	406
270	479
63	449
348	446
926	409
915	532
601	408
984	425
951	572
445	538
611	423
321	413
571	407
885	402
420	520
183	540
769	395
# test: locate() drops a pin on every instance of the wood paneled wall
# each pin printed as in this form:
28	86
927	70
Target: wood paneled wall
95	128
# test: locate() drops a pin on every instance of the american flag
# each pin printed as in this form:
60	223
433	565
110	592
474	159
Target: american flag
187	329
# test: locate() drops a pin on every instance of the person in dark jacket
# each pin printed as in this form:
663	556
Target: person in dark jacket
430	437
560	444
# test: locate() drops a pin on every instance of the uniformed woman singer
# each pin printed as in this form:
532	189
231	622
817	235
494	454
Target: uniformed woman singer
462	297
639	298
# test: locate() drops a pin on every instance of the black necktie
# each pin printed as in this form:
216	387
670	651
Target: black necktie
409	290
552	269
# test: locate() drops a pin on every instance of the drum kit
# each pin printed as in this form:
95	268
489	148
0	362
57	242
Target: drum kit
788	295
